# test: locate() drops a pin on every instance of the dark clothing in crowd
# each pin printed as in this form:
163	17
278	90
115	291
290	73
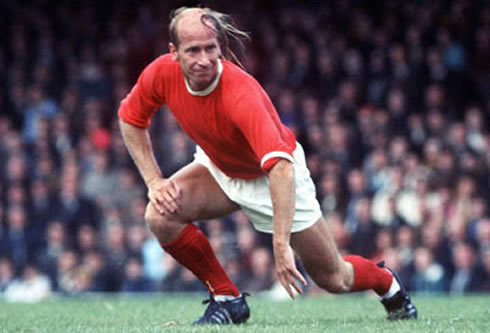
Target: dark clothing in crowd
403	97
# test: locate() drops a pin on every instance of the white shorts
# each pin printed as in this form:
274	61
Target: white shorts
253	195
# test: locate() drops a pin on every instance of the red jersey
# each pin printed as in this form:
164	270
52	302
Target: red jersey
233	120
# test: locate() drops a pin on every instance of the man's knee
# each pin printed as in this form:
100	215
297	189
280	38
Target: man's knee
335	281
155	221
165	228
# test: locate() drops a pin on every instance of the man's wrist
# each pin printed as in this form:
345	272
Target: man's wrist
280	243
151	180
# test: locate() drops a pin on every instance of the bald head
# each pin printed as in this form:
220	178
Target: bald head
190	23
205	24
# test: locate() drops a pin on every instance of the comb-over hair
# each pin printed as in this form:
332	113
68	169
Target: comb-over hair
222	24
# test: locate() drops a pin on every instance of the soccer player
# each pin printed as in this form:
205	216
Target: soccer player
245	159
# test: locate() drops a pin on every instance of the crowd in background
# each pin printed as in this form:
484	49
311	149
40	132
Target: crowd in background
391	100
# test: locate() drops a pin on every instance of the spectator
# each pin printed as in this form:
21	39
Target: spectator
41	206
384	205
16	171
467	275
261	275
405	241
154	267
133	280
66	272
55	245
402	118
331	194
246	241
99	182
129	191
63	141
172	277
39	107
429	275
483	234
362	230
384	242
410	202
32	287
102	276
135	238
73	208
486	267
179	154
18	242
86	240
433	237
357	189
6	274
115	252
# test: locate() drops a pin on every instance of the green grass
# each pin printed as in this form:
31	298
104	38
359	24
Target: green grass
173	313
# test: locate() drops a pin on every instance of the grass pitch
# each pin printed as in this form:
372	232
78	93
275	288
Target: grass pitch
173	313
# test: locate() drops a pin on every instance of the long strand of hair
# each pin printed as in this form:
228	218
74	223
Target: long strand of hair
229	36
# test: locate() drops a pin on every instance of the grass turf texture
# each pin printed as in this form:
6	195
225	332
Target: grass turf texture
173	313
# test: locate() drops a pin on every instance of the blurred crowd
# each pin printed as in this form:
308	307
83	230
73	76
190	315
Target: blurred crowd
391	100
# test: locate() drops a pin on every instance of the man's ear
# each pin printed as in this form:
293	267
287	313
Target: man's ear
173	51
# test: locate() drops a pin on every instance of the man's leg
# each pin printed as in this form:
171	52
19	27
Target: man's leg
202	198
334	273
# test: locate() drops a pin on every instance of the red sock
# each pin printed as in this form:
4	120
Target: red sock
192	249
367	275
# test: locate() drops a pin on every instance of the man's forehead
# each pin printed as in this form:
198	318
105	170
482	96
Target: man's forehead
191	28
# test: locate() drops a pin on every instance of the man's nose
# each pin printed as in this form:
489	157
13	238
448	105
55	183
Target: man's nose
204	59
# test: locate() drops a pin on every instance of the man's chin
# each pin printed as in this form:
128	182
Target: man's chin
203	82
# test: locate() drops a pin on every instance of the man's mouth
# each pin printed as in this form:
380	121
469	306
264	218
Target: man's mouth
202	74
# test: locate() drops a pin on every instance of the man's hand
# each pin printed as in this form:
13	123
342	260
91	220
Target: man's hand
165	195
286	270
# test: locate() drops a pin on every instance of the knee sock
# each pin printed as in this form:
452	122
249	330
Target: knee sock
367	275
192	249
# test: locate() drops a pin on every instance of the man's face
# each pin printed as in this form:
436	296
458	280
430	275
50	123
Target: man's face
197	53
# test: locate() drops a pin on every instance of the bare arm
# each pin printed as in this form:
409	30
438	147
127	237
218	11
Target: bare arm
283	196
138	143
163	193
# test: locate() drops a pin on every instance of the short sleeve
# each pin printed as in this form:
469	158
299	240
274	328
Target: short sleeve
257	119
146	96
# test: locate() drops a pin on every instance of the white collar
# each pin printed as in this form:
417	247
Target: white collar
211	87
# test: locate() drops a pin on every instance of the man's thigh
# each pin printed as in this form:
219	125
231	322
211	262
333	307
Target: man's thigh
202	198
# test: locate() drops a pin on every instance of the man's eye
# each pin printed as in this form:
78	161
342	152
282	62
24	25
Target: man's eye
193	50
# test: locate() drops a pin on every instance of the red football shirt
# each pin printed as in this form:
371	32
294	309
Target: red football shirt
233	120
